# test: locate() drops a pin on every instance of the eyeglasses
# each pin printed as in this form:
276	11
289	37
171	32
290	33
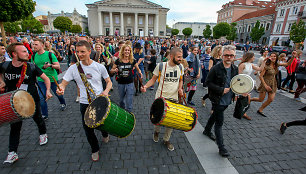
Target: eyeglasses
229	55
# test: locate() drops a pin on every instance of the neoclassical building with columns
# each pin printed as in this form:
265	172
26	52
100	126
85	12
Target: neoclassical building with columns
126	17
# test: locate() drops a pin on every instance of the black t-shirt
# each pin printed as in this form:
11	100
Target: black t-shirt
125	72
152	65
215	61
12	75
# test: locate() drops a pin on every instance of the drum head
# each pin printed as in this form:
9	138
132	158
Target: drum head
242	83
24	104
157	110
96	111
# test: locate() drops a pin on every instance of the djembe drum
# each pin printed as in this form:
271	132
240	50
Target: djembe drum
102	114
171	114
242	83
15	106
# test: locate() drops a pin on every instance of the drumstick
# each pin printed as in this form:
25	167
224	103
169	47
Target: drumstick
77	57
139	79
56	83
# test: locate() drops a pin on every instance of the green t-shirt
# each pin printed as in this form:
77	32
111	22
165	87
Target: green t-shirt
40	60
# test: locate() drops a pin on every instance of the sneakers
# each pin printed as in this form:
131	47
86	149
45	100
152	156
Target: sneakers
44	117
105	139
297	99
155	137
43	139
223	152
210	135
203	103
77	100
169	145
191	103
11	158
283	128
95	156
63	107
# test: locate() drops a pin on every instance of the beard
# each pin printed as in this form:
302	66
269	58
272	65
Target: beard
21	59
176	62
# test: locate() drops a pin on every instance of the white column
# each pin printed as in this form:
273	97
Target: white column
111	28
146	30
136	25
156	25
100	23
122	24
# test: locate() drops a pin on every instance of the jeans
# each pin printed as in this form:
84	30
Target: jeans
126	92
217	118
16	128
204	75
43	103
292	80
90	132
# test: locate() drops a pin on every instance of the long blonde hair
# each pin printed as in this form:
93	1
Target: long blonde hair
215	52
121	53
102	47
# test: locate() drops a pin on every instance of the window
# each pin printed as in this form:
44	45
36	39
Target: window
268	26
150	20
129	20
282	12
278	27
289	27
249	29
294	10
232	13
107	19
117	19
140	20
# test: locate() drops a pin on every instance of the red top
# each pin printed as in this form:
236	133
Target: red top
291	68
29	49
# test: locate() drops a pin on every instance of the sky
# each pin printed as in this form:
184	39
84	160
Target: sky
180	10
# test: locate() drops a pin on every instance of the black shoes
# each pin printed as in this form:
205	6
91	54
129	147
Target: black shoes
283	128
223	152
303	109
261	113
210	135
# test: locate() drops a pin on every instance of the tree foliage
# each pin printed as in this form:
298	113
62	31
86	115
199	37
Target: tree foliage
233	32
257	32
62	23
76	29
187	32
207	32
221	29
14	10
12	27
31	24
298	32
175	31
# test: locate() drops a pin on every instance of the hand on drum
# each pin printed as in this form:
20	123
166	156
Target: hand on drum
104	93
48	95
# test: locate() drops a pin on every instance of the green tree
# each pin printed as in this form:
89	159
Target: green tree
87	31
233	32
14	10
62	23
298	33
31	24
175	31
76	29
12	27
257	32
207	32
187	32
221	29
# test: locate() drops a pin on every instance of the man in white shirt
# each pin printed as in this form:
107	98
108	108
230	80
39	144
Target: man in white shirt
170	87
94	73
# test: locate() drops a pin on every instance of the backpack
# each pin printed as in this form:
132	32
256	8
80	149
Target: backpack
50	58
161	66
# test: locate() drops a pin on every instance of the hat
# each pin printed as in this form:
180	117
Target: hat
138	45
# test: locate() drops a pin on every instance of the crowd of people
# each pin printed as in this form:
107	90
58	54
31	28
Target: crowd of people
177	65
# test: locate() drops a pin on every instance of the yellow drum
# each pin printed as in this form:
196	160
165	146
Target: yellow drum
168	113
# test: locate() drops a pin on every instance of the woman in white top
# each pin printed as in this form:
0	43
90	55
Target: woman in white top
246	66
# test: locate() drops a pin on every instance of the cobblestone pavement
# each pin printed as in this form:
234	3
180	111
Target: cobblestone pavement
255	146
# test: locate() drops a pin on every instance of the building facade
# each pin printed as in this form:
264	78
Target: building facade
234	10
246	22
75	17
43	19
197	27
126	17
287	12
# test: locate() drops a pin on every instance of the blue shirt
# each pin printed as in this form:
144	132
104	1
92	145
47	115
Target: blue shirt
138	56
227	98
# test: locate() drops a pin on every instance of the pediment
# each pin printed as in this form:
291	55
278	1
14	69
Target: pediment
143	3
